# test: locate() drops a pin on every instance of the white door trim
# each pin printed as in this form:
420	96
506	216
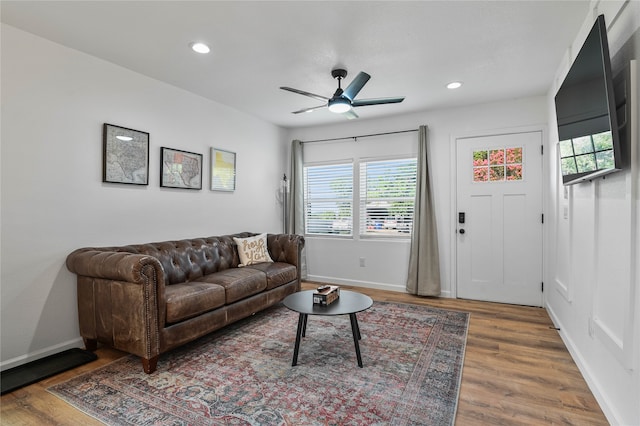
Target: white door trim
453	207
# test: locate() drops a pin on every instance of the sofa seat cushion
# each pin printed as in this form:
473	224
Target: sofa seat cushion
278	273
188	300
238	283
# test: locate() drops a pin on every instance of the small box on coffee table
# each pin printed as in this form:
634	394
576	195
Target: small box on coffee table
326	295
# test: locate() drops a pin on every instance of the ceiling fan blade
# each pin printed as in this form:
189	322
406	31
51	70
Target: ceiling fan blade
302	92
351	114
356	85
309	109
377	101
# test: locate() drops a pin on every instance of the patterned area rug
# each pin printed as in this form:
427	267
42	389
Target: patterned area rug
242	375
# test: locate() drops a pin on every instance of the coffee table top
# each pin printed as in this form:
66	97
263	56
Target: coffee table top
350	302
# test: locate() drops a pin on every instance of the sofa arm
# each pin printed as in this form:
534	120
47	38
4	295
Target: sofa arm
285	248
113	265
120	301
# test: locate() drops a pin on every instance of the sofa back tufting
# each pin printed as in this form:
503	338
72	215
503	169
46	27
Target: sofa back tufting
190	259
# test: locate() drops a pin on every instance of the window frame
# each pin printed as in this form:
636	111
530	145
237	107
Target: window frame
343	162
360	203
357	231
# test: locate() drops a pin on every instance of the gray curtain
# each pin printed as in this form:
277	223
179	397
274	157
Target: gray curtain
296	199
424	261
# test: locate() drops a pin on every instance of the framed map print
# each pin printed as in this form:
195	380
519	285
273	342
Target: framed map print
223	170
125	155
180	169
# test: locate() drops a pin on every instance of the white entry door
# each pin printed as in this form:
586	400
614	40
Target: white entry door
499	218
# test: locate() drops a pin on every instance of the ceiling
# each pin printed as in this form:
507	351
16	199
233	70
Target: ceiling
499	49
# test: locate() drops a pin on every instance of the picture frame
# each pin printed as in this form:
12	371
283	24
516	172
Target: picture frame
223	170
125	155
180	169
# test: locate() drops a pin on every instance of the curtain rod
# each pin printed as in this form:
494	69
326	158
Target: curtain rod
360	136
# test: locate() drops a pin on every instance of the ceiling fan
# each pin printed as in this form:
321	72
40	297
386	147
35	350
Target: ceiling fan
343	101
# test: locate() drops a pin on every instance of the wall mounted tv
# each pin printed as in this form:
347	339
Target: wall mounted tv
589	144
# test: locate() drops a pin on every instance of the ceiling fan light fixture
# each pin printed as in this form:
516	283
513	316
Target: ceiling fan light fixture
339	105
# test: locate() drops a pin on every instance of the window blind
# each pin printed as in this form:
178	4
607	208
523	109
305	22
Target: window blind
387	196
328	198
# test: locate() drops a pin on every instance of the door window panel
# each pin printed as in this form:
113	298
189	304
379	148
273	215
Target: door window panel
498	165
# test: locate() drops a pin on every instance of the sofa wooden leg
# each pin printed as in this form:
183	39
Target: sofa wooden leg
150	365
90	344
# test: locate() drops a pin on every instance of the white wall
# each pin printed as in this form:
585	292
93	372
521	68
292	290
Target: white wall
592	249
337	260
54	102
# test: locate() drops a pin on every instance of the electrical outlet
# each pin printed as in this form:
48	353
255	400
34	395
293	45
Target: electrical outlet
362	262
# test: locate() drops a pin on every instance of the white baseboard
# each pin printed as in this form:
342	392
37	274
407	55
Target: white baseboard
365	284
32	356
602	399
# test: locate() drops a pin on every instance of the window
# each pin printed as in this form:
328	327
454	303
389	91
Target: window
383	205
387	196
497	165
328	199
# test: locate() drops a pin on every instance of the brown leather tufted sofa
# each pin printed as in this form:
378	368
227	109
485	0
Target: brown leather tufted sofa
149	298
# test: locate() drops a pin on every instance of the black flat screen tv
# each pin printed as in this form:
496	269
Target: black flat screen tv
589	144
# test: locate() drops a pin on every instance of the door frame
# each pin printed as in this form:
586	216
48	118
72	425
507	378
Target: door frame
453	231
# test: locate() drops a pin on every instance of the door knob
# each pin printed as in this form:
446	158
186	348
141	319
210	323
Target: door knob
461	231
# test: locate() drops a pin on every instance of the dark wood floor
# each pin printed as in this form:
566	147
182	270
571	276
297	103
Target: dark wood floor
517	371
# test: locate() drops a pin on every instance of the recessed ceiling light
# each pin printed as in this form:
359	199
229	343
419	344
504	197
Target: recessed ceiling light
200	47
454	85
124	138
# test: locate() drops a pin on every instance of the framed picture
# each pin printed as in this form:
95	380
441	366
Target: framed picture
223	170
125	155
180	169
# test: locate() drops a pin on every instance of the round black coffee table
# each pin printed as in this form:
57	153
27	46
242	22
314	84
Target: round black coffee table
349	303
